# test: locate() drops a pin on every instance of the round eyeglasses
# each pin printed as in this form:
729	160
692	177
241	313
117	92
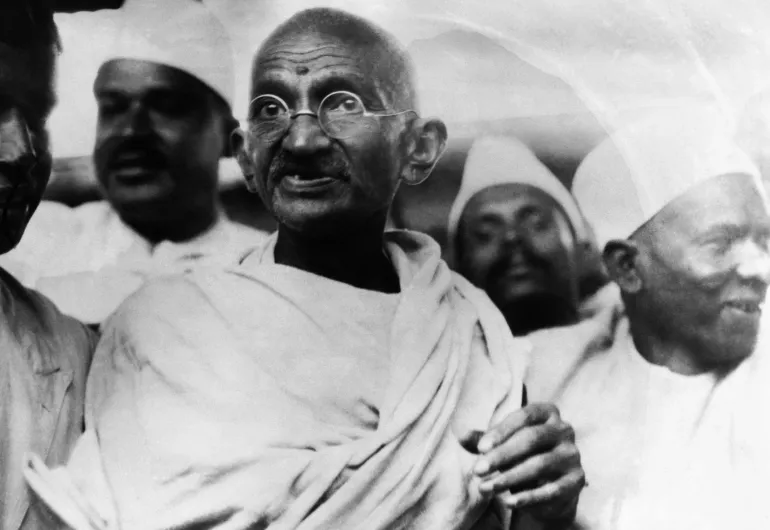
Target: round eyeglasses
340	115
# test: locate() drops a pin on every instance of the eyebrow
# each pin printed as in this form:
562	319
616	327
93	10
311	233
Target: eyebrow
319	88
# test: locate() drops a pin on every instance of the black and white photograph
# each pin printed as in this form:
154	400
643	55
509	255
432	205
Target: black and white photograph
384	265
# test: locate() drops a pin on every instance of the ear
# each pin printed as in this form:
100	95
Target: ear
229	125
425	143
621	259
239	145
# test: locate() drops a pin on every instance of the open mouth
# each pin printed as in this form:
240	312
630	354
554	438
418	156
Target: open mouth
748	307
307	181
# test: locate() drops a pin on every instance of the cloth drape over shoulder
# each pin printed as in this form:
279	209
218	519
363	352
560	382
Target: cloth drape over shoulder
239	399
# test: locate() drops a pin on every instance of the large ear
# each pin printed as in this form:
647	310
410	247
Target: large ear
621	259
425	143
239	144
229	125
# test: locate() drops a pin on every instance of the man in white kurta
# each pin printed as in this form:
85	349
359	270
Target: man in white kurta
670	409
338	377
164	95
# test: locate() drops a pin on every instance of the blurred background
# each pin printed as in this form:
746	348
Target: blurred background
557	75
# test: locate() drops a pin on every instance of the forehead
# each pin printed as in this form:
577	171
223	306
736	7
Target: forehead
304	61
735	200
136	77
26	79
507	200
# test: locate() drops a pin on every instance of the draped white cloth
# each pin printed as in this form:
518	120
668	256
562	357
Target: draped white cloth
88	261
660	450
243	398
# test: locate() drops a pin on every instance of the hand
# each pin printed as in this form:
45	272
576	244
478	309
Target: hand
532	458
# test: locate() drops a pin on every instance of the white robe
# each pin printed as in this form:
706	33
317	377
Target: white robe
87	260
660	450
240	398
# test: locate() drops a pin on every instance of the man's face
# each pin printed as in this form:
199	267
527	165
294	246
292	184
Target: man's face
158	140
309	181
516	244
705	268
26	99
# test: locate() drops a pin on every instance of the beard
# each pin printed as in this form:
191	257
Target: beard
534	312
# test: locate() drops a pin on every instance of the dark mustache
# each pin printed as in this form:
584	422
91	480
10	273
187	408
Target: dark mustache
117	148
505	261
332	165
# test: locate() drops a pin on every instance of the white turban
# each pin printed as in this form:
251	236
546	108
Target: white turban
182	34
494	161
639	169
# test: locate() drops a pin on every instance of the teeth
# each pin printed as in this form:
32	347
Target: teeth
746	307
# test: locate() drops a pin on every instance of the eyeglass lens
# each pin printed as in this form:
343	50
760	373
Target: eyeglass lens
340	115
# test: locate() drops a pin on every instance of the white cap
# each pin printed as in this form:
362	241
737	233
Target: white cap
639	169
494	161
182	34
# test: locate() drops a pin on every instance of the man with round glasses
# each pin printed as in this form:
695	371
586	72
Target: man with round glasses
340	115
340	376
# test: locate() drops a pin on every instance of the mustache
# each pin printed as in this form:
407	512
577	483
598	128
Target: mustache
113	150
331	165
524	253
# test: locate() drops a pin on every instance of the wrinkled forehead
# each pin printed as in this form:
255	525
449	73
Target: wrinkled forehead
26	79
305	60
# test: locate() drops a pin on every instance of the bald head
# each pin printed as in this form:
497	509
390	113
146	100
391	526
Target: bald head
389	65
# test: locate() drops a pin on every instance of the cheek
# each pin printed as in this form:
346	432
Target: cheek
373	162
42	170
706	272
477	258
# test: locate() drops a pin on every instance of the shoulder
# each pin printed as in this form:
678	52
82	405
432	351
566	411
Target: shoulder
94	212
57	335
558	354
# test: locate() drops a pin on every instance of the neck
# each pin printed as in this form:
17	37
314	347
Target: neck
533	314
178	226
353	257
663	349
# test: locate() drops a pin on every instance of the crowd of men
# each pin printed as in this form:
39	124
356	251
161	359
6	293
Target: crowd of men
164	367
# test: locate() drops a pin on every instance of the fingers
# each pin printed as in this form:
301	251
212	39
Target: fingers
524	444
534	414
562	492
535	470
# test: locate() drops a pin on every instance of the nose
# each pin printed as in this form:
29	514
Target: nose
754	263
16	146
305	136
512	236
136	121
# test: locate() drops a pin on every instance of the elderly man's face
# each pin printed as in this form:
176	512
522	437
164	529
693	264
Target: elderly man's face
705	268
516	244
26	99
158	141
308	180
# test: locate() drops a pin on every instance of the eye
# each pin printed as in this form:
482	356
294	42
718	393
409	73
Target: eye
111	106
342	103
269	111
537	221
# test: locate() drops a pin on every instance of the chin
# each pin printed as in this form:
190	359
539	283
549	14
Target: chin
733	350
313	220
